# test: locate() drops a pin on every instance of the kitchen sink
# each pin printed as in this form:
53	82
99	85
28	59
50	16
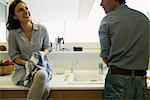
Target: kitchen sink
86	78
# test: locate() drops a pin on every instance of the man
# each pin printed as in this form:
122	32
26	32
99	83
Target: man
124	38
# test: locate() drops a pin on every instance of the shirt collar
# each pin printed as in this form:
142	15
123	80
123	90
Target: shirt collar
121	6
35	27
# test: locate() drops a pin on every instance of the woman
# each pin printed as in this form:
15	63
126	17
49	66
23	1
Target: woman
26	38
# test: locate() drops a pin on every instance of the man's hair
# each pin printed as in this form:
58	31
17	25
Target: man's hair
122	1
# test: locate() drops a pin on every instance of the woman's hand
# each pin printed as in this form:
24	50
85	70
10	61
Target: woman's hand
20	61
44	52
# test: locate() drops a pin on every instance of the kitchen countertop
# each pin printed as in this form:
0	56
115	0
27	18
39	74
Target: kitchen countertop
57	83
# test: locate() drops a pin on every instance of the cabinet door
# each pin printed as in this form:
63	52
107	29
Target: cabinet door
8	94
56	95
83	95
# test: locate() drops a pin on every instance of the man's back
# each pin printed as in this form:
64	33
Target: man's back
124	37
129	38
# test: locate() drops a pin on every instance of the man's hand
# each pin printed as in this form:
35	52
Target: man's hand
105	60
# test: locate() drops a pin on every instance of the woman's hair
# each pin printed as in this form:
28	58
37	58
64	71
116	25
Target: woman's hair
11	22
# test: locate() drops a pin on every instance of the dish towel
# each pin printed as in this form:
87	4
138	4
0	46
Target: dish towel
37	61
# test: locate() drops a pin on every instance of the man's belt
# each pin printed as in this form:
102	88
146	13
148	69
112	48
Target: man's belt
115	70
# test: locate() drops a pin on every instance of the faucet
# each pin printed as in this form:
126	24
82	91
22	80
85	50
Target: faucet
100	68
74	63
58	42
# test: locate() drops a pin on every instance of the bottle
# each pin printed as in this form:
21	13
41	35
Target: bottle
57	43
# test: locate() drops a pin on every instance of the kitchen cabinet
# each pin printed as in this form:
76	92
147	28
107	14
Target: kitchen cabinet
83	95
56	94
77	95
60	90
11	94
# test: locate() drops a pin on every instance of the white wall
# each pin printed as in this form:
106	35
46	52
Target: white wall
86	30
81	30
75	60
3	15
73	30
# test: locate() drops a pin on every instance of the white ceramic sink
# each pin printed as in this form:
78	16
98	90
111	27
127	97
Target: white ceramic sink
86	78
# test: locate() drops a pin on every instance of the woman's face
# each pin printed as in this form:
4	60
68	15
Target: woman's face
22	12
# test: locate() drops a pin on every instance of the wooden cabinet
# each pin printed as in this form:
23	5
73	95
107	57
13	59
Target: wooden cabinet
83	95
55	94
13	94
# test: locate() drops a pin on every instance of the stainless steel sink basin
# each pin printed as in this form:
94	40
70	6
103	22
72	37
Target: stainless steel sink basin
86	78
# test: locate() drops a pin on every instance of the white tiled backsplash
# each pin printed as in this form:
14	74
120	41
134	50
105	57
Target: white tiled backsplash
68	59
75	60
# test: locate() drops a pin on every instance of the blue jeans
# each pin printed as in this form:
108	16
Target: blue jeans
123	87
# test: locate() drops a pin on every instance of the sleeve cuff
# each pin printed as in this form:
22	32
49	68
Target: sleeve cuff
104	54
